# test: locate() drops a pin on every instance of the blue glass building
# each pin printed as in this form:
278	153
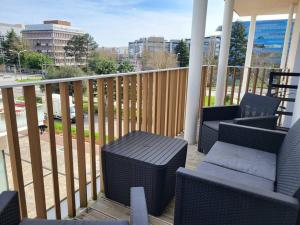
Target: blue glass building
268	41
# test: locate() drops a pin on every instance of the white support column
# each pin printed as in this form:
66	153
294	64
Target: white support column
291	63
195	68
249	51
287	36
224	51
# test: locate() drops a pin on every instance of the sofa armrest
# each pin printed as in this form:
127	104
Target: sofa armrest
219	113
139	212
251	137
203	199
267	122
9	208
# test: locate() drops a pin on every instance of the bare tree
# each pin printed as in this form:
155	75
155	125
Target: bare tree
158	60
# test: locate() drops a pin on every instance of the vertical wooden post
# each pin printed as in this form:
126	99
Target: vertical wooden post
177	97
172	101
133	89
126	104
139	102
240	85
91	116
119	106
67	140
149	102
226	85
144	101
80	141
248	79
35	150
101	124
14	147
154	102
167	102
263	81
210	84
255	80
110	109
233	86
53	155
159	108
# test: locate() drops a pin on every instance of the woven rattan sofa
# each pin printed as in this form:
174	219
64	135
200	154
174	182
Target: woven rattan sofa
250	176
254	110
10	215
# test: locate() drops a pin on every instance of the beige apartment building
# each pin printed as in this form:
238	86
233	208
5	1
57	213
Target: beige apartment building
50	38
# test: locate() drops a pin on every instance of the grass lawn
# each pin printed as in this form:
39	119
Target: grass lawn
29	79
59	129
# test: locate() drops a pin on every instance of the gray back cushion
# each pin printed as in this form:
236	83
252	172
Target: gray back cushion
256	105
288	164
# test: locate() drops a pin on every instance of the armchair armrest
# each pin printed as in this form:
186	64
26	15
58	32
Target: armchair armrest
202	199
219	113
139	212
9	208
252	137
267	122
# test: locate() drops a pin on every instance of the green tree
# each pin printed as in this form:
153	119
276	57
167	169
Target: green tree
11	44
80	46
35	60
102	66
53	72
125	67
238	45
182	54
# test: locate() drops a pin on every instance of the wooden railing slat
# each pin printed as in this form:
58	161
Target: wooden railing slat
139	101
144	101
210	84
233	86
158	103
133	89
167	102
14	147
35	150
262	82
172	100
110	109
149	102
126	105
53	155
154	102
80	141
92	142
180	101
240	84
67	142
119	106
177	96
255	81
101	124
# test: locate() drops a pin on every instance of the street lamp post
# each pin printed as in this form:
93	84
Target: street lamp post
19	60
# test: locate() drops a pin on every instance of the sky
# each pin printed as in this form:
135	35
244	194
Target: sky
113	23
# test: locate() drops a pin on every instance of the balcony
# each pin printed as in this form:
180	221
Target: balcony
58	174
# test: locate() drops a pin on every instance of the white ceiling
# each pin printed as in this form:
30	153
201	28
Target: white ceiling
262	7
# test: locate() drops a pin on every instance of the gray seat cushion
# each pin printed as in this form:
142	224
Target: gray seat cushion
247	160
214	124
235	176
72	222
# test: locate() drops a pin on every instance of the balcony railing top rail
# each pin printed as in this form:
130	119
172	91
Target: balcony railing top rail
85	77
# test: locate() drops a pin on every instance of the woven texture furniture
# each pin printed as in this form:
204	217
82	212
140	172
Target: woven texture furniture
146	160
250	176
10	215
254	110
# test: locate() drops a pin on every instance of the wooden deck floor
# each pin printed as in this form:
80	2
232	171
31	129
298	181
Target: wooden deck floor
105	209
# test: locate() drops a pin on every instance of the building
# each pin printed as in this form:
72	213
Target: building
6	27
50	38
268	41
151	44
